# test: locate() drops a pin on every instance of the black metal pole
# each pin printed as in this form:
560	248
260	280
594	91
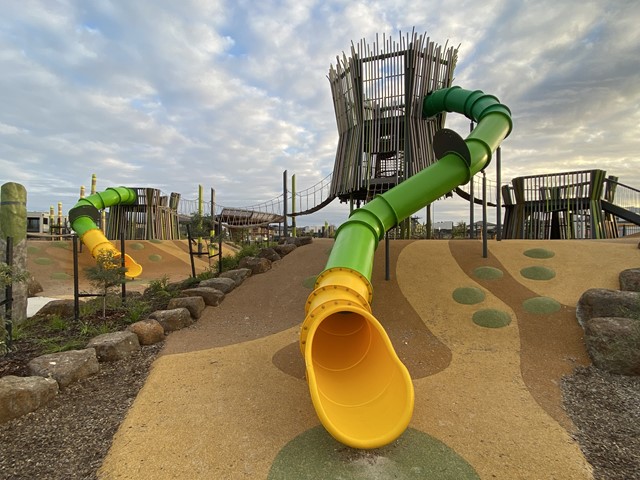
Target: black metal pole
498	194
193	266
387	274
76	289
8	293
484	215
220	244
472	227
122	264
284	206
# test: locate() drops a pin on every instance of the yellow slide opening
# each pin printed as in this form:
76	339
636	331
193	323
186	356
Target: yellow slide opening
361	391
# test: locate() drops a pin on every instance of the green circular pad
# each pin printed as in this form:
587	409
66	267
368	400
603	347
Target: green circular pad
43	261
468	295
315	454
487	273
491	318
537	273
136	246
155	257
60	276
541	305
539	253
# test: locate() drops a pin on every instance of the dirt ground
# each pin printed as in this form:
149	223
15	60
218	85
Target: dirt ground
227	398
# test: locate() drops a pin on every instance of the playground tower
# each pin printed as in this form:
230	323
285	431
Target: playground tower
378	94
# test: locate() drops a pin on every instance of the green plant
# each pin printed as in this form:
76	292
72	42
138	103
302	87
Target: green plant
207	274
57	323
135	310
106	274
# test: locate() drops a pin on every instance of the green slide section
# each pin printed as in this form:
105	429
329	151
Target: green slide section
361	391
357	239
85	215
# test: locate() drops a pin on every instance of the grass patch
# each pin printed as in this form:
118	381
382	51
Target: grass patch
538	273
468	295
491	318
539	253
541	305
487	273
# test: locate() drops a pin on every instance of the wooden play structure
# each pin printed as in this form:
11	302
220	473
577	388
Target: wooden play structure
571	205
153	217
378	95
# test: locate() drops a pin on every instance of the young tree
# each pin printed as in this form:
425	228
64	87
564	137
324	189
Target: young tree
460	230
107	274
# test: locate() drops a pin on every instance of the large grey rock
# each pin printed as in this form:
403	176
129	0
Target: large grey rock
224	284
601	302
299	241
270	254
111	347
62	308
174	319
613	344
238	275
630	280
284	249
195	305
257	265
21	395
66	367
33	287
211	296
148	331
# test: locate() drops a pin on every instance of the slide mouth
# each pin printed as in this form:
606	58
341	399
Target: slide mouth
361	391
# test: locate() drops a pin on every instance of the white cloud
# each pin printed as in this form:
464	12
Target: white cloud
230	94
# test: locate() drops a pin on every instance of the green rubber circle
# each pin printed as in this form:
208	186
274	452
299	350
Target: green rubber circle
487	273
468	295
491	318
315	454
541	305
538	273
539	253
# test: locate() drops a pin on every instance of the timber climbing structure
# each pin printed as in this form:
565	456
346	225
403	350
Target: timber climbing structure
378	93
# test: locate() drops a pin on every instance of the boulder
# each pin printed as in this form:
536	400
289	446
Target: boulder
284	249
66	367
269	253
62	308
601	302
299	241
211	296
148	331
21	395
224	284
257	265
238	275
630	280
613	343
33	287
111	347
174	319
195	305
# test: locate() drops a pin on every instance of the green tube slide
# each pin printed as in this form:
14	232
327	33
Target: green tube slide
360	389
85	215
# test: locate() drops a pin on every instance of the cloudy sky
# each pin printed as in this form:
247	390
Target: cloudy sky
230	93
